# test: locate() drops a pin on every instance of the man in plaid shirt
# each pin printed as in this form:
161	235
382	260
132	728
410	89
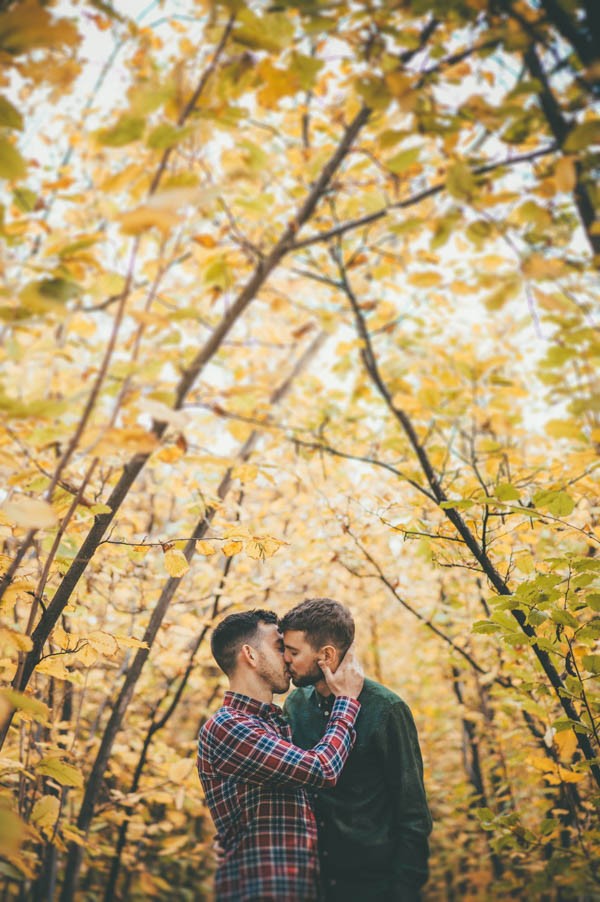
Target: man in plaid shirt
252	774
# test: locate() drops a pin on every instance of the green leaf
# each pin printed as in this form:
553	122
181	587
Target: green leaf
507	492
591	663
583	136
373	91
306	69
58	289
484	626
25	199
460	182
536	618
564	723
479	231
164	136
403	160
63	773
126	130
564	618
462	504
593	601
218	273
583	580
559	504
587	564
272	32
12	164
10	117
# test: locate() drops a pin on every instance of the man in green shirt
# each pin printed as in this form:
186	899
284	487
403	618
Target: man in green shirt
373	826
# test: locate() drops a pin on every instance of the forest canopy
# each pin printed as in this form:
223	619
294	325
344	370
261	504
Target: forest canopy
298	299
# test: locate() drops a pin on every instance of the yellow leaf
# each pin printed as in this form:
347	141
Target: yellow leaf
14	639
426	279
254	550
30	513
63	639
539	267
54	666
130	642
176	562
45	811
245	472
26	704
236	532
101	509
28	24
163	209
205	548
569	776
204	240
230	548
564	429
540	762
261	547
565	174
87	656
134	439
103	643
563	776
181	769
144	217
169	455
566	743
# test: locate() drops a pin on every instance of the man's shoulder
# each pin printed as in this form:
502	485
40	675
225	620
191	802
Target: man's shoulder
222	717
377	696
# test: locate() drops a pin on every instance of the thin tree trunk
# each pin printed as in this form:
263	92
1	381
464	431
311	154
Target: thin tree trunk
131	470
96	776
479	553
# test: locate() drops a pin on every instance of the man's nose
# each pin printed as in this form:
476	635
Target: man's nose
287	657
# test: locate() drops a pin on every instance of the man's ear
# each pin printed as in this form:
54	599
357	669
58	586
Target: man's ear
248	655
330	655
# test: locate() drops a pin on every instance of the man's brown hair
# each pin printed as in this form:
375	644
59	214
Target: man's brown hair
325	622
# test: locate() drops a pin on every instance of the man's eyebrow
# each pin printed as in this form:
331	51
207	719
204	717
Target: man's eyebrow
290	647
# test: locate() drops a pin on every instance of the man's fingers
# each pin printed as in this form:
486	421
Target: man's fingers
325	668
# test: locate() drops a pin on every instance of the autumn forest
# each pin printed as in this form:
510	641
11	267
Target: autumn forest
298	299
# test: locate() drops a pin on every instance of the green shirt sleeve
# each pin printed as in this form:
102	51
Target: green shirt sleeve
403	771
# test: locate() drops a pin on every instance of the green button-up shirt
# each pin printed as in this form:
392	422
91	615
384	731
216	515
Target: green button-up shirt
373	826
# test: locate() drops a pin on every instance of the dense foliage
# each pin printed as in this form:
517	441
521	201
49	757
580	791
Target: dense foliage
298	299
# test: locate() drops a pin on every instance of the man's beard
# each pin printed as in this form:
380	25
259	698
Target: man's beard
309	679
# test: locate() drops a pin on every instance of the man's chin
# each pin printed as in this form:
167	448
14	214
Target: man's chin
283	687
303	682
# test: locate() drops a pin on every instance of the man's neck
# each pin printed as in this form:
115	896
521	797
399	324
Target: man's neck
322	688
252	688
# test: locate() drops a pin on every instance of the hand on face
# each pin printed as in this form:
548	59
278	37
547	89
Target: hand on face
348	679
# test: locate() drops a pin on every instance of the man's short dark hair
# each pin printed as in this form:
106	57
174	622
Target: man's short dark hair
233	632
324	621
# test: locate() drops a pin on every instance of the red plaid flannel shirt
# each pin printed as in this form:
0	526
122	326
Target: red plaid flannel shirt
254	780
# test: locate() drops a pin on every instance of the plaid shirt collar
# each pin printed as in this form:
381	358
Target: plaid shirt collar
250	705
